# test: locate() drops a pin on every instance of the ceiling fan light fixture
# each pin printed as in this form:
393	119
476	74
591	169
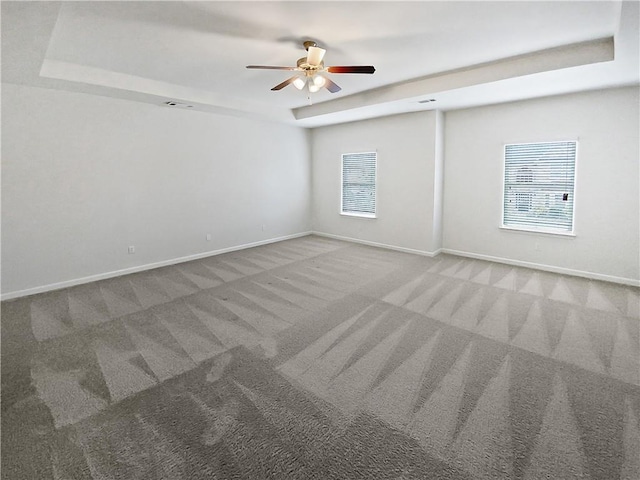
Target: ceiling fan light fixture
313	88
299	83
315	56
319	81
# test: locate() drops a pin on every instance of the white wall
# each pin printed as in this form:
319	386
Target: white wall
605	123
406	146
84	177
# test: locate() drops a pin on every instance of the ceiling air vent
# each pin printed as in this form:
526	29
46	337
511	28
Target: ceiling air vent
177	104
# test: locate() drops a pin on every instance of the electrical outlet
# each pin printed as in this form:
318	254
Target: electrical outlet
131	249
208	237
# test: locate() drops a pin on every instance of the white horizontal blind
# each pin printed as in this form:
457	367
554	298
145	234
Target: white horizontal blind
539	184
359	184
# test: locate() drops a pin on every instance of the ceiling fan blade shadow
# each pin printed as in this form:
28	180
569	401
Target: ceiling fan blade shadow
280	86
351	69
297	41
331	85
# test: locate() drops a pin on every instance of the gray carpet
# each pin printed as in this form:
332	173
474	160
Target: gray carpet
320	359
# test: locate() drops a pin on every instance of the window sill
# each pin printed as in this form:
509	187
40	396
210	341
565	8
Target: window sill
540	231
360	215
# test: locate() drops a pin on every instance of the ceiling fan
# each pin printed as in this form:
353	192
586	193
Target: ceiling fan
311	67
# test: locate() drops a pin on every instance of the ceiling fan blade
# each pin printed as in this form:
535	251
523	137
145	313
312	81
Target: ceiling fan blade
280	86
353	69
315	55
331	85
271	67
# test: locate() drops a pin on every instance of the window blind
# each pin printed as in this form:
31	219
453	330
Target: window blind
539	185
359	184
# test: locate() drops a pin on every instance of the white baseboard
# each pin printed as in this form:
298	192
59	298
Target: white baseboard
174	261
142	268
377	244
548	268
539	266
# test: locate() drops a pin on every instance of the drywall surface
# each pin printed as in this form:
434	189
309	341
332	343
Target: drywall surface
85	177
405	145
607	214
438	181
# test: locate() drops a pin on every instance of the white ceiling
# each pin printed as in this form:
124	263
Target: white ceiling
459	53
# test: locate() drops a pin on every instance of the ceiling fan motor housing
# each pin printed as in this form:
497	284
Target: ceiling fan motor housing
309	43
307	67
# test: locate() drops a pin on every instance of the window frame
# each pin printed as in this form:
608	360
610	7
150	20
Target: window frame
375	186
532	228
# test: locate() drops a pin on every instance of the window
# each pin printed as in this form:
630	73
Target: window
539	181
359	184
